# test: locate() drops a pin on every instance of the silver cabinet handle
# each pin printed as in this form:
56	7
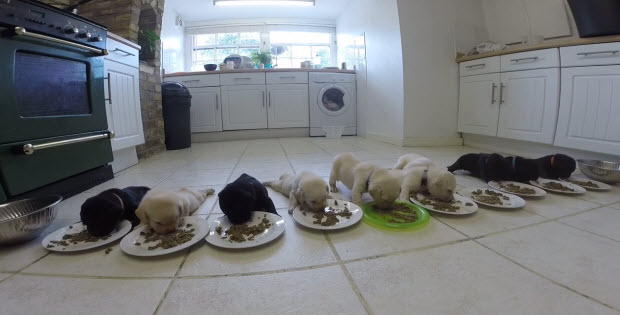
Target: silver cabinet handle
610	52
189	81
123	51
30	149
288	77
475	66
524	59
22	32
217	101
493	94
501	93
239	79
109	99
269	99
263	99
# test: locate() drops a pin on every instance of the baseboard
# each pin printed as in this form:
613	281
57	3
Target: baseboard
250	134
529	149
432	142
386	139
124	158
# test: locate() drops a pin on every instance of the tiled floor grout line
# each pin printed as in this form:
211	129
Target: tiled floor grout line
163	298
232	171
547	278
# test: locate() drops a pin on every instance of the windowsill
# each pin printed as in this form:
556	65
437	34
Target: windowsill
178	74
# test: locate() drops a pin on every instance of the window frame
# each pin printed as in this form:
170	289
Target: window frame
216	46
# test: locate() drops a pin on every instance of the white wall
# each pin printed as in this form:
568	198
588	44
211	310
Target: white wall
430	72
172	38
380	99
470	27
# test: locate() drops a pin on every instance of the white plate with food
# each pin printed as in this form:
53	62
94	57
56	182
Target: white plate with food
559	187
262	228
519	189
75	238
339	214
145	242
587	183
493	198
459	206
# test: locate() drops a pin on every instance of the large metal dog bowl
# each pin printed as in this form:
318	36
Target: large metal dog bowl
606	172
24	220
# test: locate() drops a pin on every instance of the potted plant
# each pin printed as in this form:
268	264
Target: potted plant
147	39
262	59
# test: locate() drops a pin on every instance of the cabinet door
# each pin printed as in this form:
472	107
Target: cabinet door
589	116
206	112
529	105
479	104
287	106
123	104
244	107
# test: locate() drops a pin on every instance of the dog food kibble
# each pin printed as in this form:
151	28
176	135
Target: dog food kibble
588	184
236	233
489	197
469	204
107	251
557	186
218	230
331	216
188	225
517	189
137	243
167	241
335	202
402	214
441	205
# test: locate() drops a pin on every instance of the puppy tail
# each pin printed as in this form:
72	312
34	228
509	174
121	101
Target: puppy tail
268	184
207	192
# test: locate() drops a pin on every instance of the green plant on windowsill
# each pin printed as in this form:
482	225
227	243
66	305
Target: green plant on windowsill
261	57
147	39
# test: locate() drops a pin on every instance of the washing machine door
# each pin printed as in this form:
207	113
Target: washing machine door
334	100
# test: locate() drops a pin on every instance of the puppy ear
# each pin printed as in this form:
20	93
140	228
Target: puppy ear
142	215
299	194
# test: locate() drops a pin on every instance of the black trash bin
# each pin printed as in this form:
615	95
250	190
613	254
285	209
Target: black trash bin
176	103
596	17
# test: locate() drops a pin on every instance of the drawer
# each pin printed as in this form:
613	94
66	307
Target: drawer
242	78
537	59
480	66
287	77
197	80
122	53
591	55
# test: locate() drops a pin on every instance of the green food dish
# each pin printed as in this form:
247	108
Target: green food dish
382	219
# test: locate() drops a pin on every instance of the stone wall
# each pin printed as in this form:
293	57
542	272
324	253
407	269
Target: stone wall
125	18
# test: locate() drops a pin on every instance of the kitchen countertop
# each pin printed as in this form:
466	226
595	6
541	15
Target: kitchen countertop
123	40
180	74
545	45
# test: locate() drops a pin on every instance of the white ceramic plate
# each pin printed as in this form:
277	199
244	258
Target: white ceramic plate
515	202
123	228
601	186
269	235
464	209
539	191
307	220
128	244
577	190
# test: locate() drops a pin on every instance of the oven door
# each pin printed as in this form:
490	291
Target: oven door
48	89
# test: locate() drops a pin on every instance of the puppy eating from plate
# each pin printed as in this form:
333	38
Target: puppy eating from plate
306	190
162	210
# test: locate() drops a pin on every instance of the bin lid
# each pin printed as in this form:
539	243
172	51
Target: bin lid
174	89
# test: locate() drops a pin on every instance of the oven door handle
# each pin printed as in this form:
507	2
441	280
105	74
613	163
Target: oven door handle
22	32
30	149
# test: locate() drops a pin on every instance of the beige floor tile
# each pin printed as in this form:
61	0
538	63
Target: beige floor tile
4	276
574	258
149	179
193	178
319	169
603	221
616	205
51	295
487	221
603	197
70	208
463	278
319	291
554	206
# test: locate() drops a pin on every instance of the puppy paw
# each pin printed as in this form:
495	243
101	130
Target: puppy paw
334	189
290	211
209	192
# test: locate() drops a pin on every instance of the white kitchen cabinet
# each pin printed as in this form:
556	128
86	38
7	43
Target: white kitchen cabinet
589	117
287	106
206	110
122	90
244	107
529	105
479	104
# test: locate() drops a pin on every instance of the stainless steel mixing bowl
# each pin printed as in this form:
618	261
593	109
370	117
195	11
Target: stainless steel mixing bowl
23	220
606	172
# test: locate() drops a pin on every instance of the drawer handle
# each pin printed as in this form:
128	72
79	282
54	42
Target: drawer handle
127	54
501	93
524	59
109	99
243	78
493	94
30	149
190	81
607	52
475	66
289	77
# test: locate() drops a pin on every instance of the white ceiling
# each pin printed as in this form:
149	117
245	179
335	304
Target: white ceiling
204	10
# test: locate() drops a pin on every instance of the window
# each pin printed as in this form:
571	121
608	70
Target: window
290	49
214	48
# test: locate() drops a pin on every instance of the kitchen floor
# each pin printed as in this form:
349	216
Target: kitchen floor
558	255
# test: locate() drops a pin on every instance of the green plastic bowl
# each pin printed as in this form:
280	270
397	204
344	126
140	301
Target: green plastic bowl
382	219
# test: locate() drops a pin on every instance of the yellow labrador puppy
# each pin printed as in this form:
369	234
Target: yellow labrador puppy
440	184
364	177
412	160
306	190
163	209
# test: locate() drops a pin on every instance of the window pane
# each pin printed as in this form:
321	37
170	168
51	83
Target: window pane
286	63
228	39
324	53
250	38
281	51
205	40
301	52
223	53
204	54
300	38
247	51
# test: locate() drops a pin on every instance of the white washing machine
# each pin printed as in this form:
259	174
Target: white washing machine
333	102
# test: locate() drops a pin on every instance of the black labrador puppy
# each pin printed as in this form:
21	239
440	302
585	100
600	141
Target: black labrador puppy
491	167
246	194
556	166
102	213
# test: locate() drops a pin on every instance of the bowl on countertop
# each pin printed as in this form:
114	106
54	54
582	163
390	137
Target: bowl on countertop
606	172
210	67
23	220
